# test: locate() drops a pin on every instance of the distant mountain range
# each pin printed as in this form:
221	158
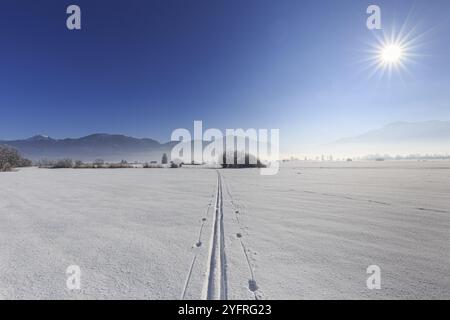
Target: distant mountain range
404	132
109	147
402	138
398	138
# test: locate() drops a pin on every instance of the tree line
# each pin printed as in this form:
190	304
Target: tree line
10	158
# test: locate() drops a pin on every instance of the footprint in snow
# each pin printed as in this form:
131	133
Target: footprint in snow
252	285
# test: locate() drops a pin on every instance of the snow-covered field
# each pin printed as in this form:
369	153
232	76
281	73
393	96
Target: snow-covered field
309	232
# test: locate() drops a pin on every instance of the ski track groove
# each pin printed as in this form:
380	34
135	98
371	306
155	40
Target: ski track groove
194	255
215	286
188	278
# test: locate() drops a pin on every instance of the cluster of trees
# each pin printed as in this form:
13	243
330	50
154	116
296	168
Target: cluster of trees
56	164
419	156
10	158
156	166
240	160
164	161
99	163
152	165
78	164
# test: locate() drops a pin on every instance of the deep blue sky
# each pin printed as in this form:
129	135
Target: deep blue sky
146	67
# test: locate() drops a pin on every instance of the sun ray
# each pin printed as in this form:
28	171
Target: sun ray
391	52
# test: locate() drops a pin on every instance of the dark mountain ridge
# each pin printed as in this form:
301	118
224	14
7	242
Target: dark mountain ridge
110	147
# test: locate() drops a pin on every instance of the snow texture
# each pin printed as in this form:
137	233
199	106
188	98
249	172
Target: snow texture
309	232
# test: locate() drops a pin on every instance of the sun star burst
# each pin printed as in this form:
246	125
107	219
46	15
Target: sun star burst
394	51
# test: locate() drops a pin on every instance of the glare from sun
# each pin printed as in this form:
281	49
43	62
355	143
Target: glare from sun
394	52
391	54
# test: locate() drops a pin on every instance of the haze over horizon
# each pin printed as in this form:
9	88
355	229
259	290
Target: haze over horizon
146	68
399	138
336	139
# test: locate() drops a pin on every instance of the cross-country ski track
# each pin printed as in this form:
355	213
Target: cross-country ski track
215	283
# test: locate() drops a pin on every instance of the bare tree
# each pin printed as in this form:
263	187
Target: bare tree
45	163
99	162
78	164
11	158
164	159
63	163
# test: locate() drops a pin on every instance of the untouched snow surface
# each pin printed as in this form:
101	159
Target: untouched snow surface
309	232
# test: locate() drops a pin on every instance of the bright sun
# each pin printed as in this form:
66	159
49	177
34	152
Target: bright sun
391	54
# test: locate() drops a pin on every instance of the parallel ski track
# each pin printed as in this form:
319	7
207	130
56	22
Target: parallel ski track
215	286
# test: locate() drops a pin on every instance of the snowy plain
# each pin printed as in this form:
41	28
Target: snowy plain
309	232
